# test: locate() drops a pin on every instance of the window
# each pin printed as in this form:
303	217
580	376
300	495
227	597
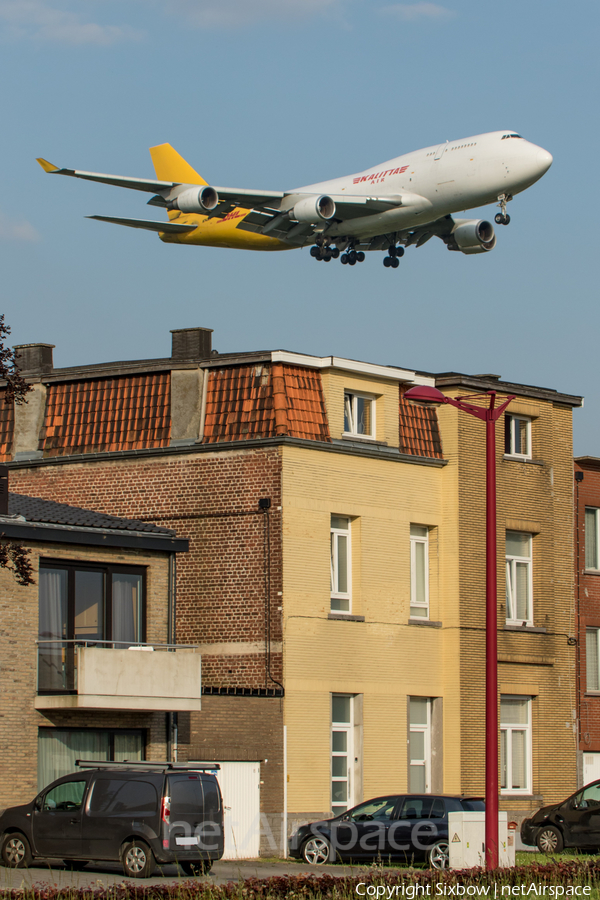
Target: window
591	538
592	660
58	748
419	571
359	414
122	797
518	578
87	604
419	745
66	796
341	564
515	745
342	753
517	436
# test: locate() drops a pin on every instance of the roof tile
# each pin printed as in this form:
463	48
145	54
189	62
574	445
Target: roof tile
419	430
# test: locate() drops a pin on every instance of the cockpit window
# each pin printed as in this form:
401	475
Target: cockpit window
504	136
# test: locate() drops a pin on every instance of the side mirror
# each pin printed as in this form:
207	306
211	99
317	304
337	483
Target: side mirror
38	803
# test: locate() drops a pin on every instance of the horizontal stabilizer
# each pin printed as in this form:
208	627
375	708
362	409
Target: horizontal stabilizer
147	224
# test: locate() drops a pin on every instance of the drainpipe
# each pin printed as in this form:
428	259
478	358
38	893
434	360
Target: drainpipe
172	639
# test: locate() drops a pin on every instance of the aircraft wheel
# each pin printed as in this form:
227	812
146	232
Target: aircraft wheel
392	251
360	256
506	219
352	260
314	251
387	261
352	256
344	259
327	257
395	263
335	253
399	252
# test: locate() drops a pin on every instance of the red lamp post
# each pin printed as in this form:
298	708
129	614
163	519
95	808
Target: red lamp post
490	415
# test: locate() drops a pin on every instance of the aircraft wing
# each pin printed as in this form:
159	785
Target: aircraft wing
147	224
136	184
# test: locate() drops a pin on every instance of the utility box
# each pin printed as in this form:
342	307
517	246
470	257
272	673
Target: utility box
466	839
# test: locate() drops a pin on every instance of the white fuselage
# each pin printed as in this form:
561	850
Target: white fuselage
440	180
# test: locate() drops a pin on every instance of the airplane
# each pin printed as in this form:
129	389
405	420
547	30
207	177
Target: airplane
402	202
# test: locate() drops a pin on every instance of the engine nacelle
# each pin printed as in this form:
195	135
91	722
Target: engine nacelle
196	200
314	209
473	236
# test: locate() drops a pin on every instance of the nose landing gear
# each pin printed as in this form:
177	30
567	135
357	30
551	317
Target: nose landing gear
502	218
395	254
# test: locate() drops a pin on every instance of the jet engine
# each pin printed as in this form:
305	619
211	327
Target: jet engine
472	236
196	200
312	210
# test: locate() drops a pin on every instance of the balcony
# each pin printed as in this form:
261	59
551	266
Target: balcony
117	676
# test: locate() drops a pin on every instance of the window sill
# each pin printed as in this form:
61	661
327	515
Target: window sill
530	629
349	436
591	571
523	459
415	620
342	616
592	694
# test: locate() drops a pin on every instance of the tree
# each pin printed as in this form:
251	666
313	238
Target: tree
16	386
13	556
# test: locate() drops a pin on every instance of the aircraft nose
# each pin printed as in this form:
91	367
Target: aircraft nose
544	160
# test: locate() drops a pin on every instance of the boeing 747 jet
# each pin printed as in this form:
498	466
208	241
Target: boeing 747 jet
394	205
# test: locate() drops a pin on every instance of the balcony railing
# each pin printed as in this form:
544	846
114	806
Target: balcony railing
109	675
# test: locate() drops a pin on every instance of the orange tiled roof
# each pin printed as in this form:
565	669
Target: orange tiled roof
122	413
7	424
260	401
419	430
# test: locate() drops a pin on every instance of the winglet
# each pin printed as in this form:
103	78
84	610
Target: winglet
47	166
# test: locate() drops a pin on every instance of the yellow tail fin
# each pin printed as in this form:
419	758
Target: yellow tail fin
170	166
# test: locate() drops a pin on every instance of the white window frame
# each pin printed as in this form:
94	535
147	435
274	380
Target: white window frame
511	569
414	603
335	534
596	512
508	729
351	414
592	674
426	731
511	423
348	729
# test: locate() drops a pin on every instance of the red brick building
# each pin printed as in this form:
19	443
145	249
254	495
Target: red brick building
587	613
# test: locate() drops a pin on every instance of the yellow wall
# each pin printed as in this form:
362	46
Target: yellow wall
383	658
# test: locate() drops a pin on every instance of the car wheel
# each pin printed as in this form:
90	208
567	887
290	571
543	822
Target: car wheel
439	855
138	860
76	864
196	867
316	851
16	853
549	840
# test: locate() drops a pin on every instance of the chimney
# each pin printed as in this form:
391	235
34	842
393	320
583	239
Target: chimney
3	490
34	359
191	343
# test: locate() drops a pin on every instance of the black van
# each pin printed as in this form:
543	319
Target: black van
138	813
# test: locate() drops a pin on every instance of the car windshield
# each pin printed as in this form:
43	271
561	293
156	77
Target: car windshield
382	808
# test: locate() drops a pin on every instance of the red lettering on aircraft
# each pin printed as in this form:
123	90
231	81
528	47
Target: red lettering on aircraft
379	176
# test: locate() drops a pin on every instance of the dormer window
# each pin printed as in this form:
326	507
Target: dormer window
359	415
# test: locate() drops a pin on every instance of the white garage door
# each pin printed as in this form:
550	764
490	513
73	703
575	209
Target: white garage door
591	767
240	787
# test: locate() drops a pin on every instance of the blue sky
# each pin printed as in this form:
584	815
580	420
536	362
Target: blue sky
269	94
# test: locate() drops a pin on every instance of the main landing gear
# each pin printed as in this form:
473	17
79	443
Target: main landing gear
324	252
352	257
393	260
502	218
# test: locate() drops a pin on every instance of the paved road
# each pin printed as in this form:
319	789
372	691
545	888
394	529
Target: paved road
105	874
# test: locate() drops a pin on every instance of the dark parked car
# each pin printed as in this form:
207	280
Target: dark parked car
410	827
575	822
136	813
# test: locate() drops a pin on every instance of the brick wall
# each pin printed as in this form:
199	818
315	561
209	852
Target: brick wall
211	499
